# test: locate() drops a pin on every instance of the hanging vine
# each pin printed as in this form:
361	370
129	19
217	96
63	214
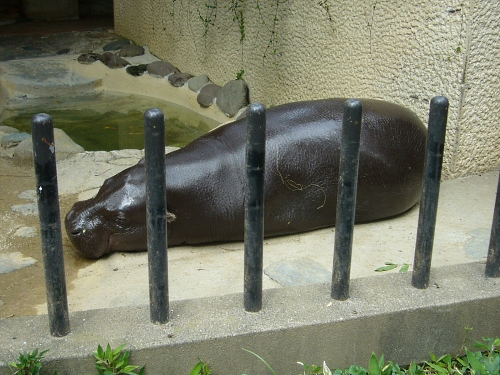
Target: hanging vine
211	14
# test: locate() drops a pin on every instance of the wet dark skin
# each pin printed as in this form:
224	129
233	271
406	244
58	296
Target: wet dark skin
206	180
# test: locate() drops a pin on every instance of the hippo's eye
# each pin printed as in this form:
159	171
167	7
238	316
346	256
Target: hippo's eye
121	219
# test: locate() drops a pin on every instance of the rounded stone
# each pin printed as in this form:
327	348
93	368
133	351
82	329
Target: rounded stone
196	83
136	70
112	61
131	50
161	69
116	45
88	58
207	95
179	79
232	97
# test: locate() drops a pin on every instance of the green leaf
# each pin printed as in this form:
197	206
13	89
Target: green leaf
493	366
404	268
437	368
262	359
197	369
118	350
374	368
100	352
129	368
474	363
388	267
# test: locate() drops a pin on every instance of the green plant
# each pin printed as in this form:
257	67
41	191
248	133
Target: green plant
262	360
390	266
201	368
115	361
28	363
239	75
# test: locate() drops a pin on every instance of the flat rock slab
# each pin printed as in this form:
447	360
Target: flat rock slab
45	78
298	271
28	194
477	246
14	261
26	209
13	139
26	232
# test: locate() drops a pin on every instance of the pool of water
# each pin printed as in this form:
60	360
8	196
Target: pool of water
108	121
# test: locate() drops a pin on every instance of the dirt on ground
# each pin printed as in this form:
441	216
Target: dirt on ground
24	288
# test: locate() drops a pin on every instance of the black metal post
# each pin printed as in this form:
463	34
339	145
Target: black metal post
438	115
156	207
346	199
254	207
44	155
493	259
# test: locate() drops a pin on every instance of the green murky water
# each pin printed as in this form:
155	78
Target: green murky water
108	121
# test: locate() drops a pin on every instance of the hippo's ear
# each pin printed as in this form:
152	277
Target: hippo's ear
170	217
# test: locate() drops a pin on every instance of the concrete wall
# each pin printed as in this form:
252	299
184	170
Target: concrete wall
384	314
405	52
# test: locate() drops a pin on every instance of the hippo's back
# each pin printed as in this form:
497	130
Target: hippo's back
302	168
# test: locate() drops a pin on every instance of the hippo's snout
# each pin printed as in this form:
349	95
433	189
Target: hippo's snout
81	231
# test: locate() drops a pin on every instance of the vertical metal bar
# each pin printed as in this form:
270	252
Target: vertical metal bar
346	199
493	259
156	207
254	207
438	115
42	132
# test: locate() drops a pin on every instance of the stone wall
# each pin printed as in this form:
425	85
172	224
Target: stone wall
404	52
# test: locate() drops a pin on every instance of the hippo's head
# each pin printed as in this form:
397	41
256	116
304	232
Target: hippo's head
114	220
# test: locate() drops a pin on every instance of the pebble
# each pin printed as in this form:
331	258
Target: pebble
112	61
116	45
196	83
136	70
88	58
207	95
179	79
131	50
161	69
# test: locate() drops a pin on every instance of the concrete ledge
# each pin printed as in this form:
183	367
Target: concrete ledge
384	315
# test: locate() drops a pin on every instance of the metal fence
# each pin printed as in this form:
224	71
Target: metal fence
154	129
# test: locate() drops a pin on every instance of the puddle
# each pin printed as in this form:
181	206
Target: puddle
109	121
